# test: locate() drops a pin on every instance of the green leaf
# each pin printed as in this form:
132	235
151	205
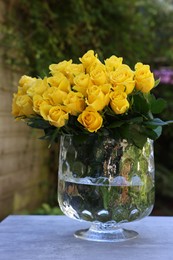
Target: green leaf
53	137
125	131
82	138
109	111
153	133
116	124
138	138
38	122
135	120
140	104
134	133
155	122
158	131
157	82
158	106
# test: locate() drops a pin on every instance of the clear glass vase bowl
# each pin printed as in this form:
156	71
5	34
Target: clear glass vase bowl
107	182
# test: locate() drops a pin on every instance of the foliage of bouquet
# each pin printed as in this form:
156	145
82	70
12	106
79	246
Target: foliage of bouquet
92	97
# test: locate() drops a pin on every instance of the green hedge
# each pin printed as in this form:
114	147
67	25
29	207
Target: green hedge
45	32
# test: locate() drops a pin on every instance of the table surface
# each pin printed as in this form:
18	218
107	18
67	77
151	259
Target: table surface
51	238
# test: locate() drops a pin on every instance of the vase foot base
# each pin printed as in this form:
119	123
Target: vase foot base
115	235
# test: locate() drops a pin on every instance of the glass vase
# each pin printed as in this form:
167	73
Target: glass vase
106	182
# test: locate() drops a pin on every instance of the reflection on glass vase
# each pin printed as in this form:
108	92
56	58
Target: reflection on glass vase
107	182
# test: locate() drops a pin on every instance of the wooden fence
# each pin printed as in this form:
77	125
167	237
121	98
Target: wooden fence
24	170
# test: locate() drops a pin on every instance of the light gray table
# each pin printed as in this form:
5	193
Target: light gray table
51	238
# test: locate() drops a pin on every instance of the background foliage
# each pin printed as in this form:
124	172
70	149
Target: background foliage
43	32
38	33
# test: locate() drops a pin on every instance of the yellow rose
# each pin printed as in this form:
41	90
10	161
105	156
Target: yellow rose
144	77
25	83
82	81
119	89
73	70
24	80
98	74
55	80
44	110
54	96
74	102
90	119
22	105
64	85
58	116
98	96
59	81
113	63
88	59
37	102
60	67
16	111
119	102
38	87
123	75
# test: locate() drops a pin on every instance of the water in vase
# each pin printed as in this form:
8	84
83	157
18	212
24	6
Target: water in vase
106	200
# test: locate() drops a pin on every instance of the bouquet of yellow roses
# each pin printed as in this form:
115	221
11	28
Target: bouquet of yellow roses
92	97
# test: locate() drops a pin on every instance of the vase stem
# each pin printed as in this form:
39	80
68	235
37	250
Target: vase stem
106	232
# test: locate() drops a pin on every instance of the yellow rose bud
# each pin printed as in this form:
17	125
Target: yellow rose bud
119	89
55	80
119	102
123	75
90	119
88	58
73	70
16	111
127	87
26	105
54	96
82	82
64	85
144	77
37	102
59	81
25	83
75	103
98	96
26	80
113	63
44	110
58	116
60	67
22	105
38	87
98	75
